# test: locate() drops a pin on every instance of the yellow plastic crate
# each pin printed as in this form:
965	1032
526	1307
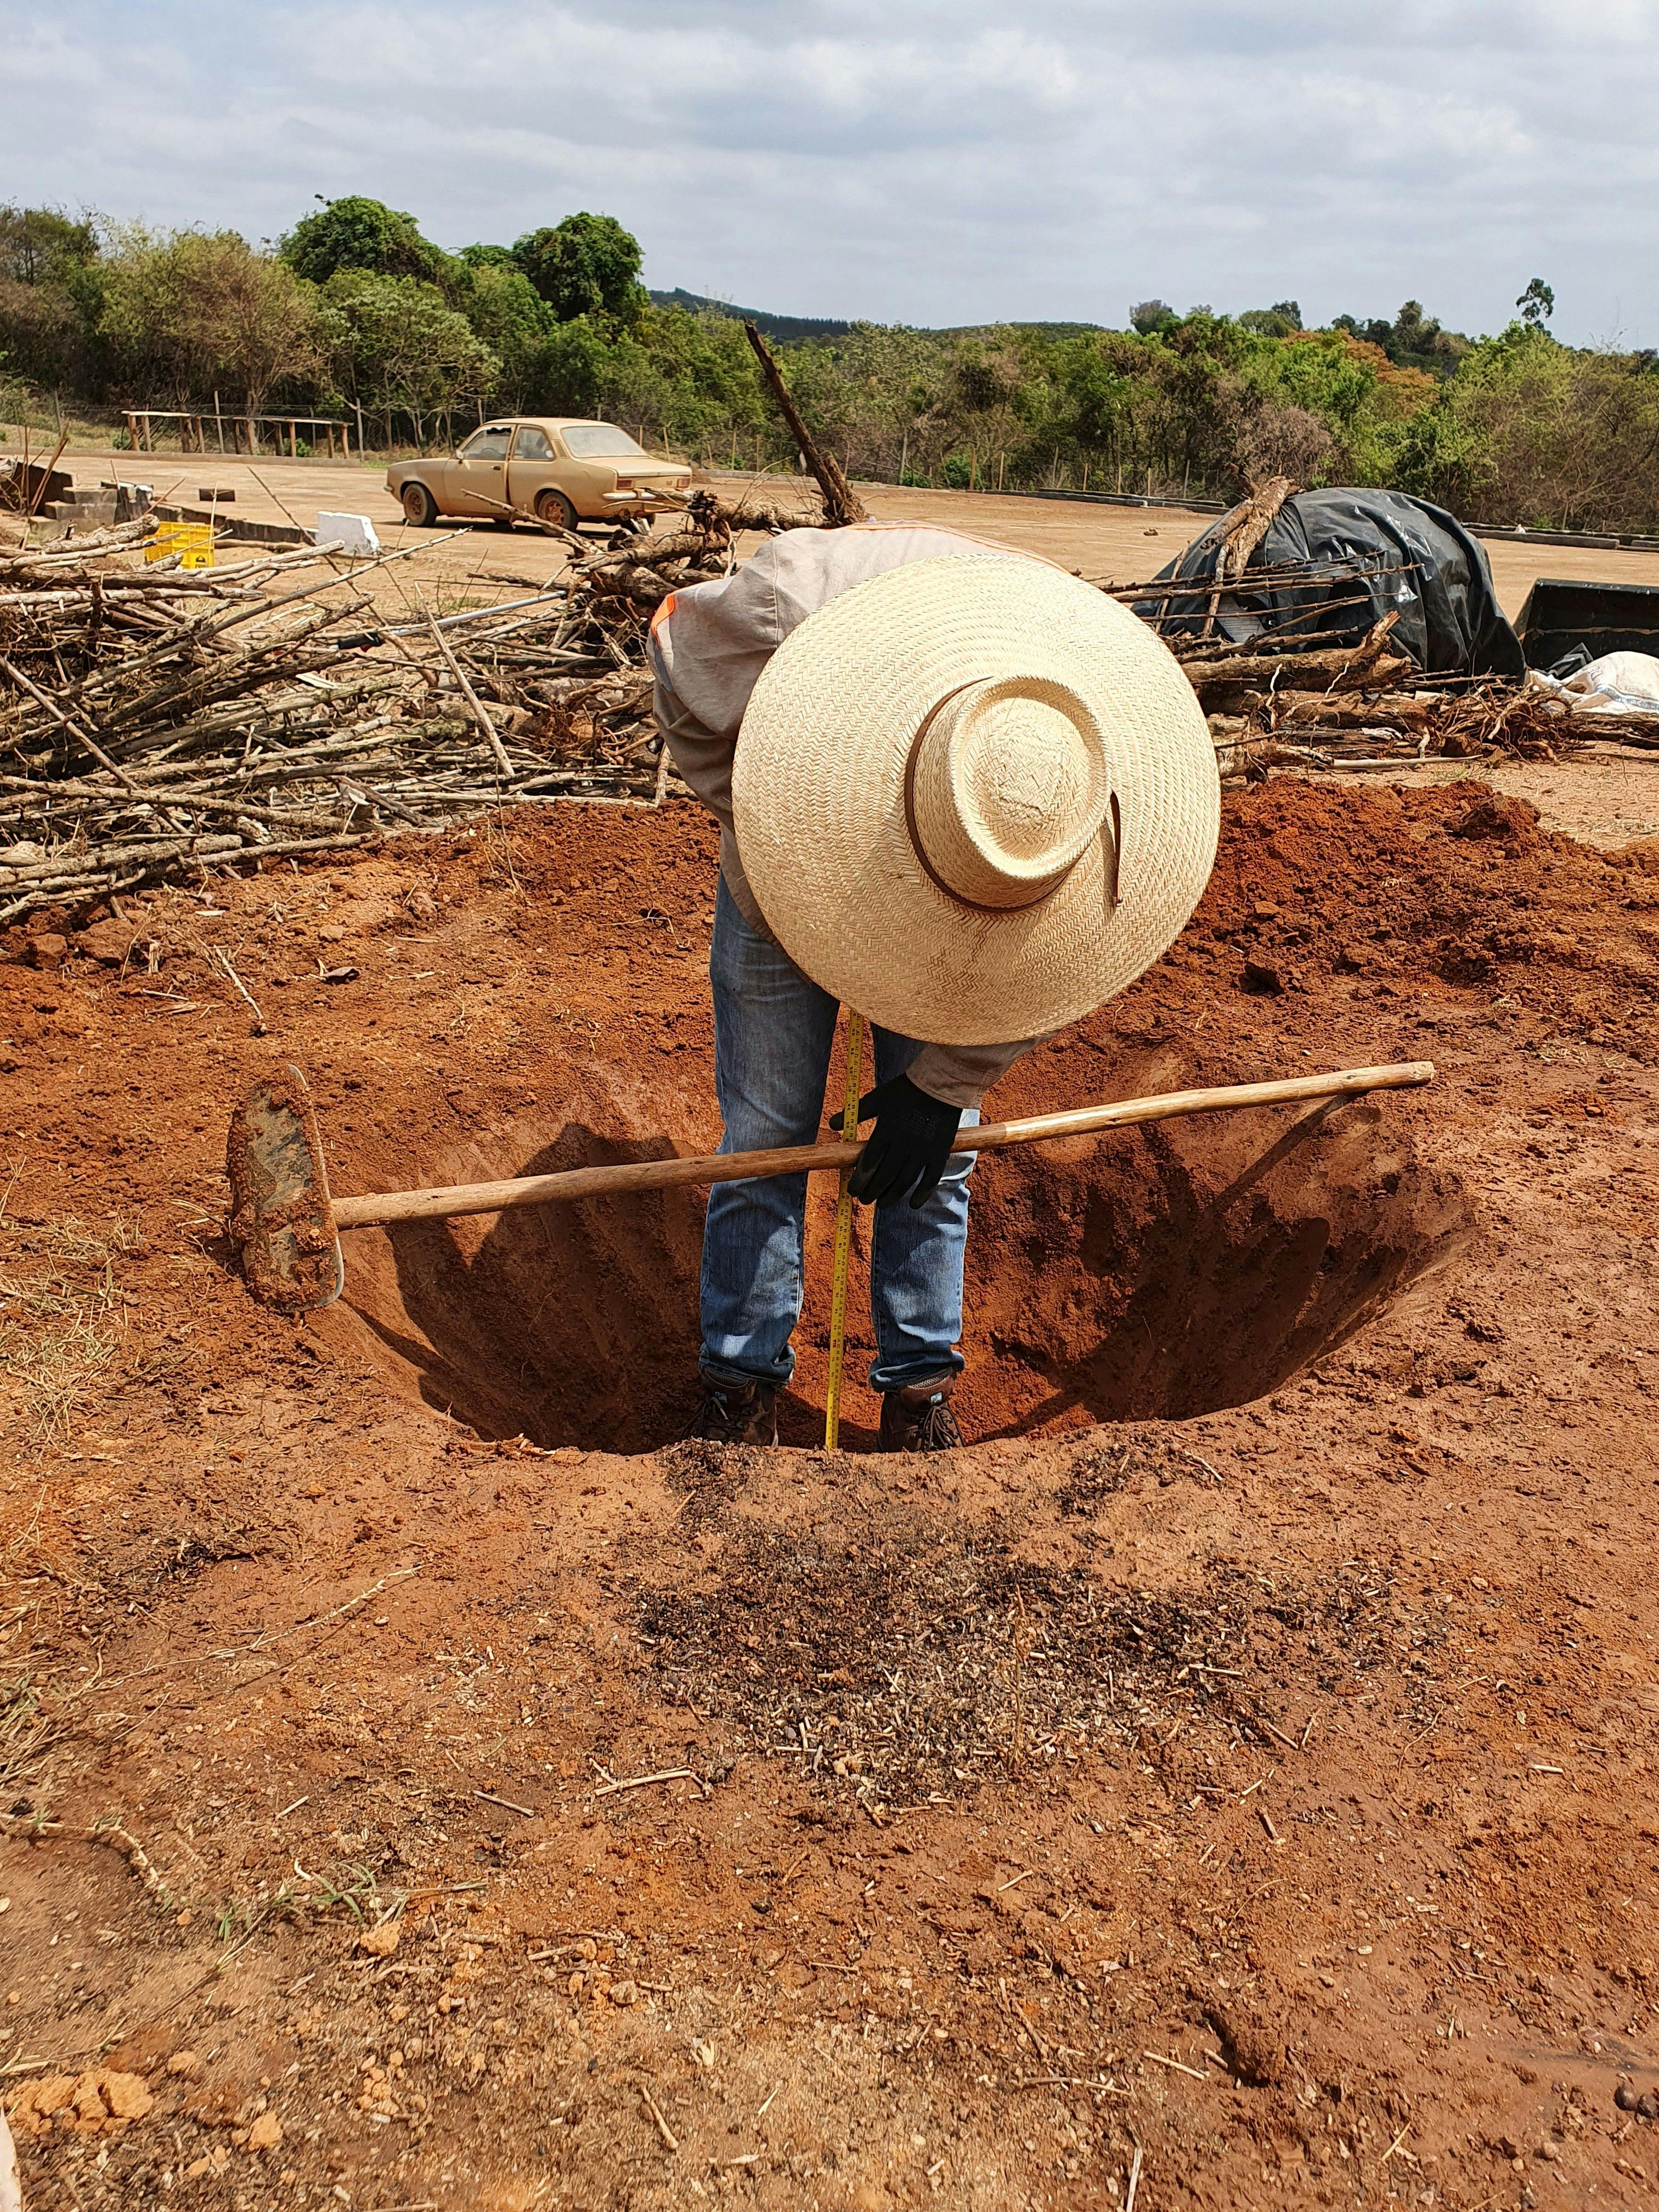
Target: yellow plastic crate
191	541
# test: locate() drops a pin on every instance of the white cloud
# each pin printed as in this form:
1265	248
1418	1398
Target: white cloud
933	161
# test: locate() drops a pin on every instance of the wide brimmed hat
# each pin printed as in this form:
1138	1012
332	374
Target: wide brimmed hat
974	797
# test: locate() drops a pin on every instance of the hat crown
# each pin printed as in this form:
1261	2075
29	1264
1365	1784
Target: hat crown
1009	787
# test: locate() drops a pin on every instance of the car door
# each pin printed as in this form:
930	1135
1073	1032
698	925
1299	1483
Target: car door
475	481
530	467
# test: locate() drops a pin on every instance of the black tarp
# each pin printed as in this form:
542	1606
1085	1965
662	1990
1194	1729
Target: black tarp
1390	552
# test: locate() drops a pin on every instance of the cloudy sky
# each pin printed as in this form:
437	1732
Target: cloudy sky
920	161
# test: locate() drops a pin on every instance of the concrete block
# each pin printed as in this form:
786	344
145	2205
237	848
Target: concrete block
131	499
83	510
354	532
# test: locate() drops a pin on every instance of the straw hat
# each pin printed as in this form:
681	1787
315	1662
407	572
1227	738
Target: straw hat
974	797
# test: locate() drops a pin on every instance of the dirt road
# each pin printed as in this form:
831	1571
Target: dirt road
1126	544
1235	1770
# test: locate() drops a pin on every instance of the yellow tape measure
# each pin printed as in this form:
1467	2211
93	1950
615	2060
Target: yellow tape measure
843	1238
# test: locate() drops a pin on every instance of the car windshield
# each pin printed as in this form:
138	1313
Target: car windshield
598	441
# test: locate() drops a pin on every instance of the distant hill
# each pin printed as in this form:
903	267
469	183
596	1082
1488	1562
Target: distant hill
771	326
1014	323
826	326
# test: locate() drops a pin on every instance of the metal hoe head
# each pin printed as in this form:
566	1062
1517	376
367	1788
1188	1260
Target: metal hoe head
280	1216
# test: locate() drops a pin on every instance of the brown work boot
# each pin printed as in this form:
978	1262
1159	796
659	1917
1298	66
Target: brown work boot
918	1419
737	1414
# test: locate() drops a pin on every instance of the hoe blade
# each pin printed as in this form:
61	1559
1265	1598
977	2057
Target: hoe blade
280	1213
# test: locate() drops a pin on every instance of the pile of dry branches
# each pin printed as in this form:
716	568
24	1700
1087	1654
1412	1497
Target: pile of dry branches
154	721
1358	706
1287	697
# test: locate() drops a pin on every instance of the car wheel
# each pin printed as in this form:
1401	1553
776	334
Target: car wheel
553	508
420	505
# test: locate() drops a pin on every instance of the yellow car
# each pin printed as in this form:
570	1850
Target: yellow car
554	467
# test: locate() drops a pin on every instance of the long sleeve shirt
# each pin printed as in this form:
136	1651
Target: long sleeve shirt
708	645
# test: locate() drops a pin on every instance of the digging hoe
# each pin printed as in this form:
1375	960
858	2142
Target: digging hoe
287	1225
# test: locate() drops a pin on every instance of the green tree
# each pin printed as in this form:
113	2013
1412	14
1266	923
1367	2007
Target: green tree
1536	303
506	313
1197	398
49	295
576	366
1441	453
1550	436
1412	340
400	351
355	232
1149	315
689	379
43	245
1099	391
43	339
889	411
1274	322
584	367
190	312
588	264
1332	378
487	257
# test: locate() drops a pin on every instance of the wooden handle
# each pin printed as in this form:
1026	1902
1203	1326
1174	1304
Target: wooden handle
374	1211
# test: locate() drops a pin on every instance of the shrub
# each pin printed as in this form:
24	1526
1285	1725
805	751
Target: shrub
1543	431
588	264
401	352
192	311
355	232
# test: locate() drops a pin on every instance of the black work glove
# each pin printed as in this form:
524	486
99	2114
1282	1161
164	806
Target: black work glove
910	1147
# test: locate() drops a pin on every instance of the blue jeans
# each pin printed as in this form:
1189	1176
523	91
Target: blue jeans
773	1032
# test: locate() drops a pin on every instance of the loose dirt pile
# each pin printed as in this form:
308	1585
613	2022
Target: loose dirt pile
411	1802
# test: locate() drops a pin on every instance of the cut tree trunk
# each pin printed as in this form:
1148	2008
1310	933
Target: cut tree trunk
841	503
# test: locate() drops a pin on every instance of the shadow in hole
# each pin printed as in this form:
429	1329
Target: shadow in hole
800	1418
1212	1312
573	1324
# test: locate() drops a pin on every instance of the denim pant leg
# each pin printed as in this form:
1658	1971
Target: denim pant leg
916	1259
773	1032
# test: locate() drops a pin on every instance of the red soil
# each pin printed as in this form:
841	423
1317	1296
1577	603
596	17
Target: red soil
1296	1726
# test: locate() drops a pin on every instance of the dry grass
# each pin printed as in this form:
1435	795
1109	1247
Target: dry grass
59	1316
923	1659
26	1734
